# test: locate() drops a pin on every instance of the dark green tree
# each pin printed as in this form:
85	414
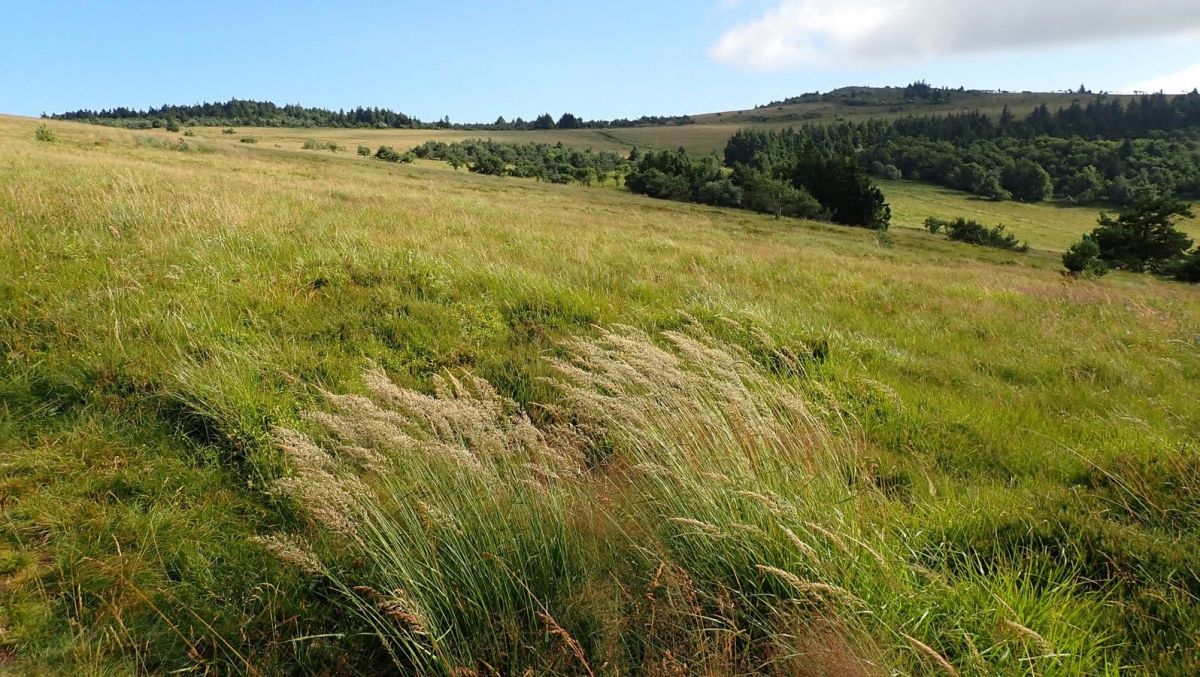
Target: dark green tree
1144	236
775	196
1028	181
845	190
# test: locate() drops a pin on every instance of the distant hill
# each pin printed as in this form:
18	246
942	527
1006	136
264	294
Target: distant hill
851	103
845	103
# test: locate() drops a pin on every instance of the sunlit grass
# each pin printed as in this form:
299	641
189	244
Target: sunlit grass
1031	438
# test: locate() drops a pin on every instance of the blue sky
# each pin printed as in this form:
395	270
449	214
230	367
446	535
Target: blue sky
476	60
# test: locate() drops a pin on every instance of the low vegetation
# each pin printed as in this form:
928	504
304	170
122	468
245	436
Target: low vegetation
315	144
551	163
973	232
1144	237
276	412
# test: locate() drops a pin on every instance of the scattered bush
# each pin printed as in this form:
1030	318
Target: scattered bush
552	163
364	151
1187	268
1083	258
164	144
389	154
249	139
229	130
973	232
172	125
313	144
189	132
44	133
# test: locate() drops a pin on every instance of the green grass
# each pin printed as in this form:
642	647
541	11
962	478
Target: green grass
1044	225
1027	438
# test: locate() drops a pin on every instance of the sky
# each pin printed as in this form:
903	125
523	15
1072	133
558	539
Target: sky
474	61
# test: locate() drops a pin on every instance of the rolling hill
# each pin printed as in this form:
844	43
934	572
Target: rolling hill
588	431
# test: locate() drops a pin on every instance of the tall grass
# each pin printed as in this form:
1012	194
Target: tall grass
1017	448
680	512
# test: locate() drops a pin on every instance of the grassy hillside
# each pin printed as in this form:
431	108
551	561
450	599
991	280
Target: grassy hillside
882	102
927	453
1044	225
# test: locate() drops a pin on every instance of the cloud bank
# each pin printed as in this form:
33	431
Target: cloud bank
1172	83
878	32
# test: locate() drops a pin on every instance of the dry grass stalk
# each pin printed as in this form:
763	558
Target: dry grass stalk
573	645
800	545
811	587
1027	633
932	653
398	606
292	550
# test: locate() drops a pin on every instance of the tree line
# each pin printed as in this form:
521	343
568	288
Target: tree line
247	113
545	162
774	179
1155	148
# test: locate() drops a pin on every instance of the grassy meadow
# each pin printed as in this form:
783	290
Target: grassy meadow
268	410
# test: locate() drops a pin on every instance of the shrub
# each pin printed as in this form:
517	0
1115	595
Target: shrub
172	125
387	154
313	144
229	130
722	193
973	232
1083	258
1187	269
364	151
189	132
44	133
249	139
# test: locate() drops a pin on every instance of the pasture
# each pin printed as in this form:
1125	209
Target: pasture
994	463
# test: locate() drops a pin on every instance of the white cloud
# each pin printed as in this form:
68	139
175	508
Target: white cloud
1173	83
872	32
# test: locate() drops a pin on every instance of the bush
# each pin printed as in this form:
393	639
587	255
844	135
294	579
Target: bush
721	193
189	132
313	144
1083	258
389	154
973	232
364	151
229	130
43	133
249	139
1187	269
172	125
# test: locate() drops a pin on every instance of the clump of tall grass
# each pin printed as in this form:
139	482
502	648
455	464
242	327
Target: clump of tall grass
680	512
314	144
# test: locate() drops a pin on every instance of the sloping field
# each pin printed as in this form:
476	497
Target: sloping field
700	440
